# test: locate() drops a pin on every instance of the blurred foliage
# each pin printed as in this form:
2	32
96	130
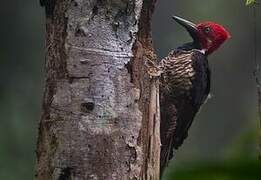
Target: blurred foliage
243	146
230	170
21	84
238	165
250	2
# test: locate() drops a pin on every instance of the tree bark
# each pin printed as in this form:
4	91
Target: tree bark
100	108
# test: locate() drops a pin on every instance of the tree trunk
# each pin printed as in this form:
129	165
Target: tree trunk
100	109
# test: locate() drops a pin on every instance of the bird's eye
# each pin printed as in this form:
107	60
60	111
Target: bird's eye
207	30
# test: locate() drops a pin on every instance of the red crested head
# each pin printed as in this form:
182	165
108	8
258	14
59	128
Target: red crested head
209	36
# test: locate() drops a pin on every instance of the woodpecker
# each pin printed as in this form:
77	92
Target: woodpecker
185	83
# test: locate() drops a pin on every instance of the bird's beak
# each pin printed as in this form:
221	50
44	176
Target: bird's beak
190	27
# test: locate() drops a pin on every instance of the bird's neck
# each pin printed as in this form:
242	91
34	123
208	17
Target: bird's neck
189	46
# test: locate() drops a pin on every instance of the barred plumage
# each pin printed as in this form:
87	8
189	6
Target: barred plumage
184	87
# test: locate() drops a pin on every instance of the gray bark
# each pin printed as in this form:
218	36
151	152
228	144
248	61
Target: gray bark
100	109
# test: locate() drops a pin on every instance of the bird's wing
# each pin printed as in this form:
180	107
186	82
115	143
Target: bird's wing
201	82
184	86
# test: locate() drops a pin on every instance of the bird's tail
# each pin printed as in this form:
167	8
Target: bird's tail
166	154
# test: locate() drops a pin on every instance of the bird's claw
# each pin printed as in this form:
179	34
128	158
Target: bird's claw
152	69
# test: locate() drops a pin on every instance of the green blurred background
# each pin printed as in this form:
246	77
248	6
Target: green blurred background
222	143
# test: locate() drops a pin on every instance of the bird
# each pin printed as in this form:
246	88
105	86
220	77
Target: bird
184	83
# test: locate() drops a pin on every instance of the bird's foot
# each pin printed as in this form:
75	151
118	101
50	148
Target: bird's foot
152	68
